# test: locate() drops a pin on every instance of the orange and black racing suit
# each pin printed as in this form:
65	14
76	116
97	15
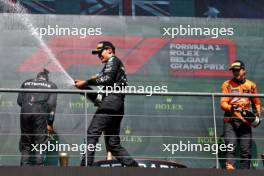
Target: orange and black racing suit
234	128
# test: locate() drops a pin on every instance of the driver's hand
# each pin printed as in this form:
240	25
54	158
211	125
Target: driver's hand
93	77
237	108
79	83
50	129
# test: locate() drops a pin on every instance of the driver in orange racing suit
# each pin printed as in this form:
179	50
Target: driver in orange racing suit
238	128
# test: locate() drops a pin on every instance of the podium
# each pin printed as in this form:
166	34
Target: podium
143	163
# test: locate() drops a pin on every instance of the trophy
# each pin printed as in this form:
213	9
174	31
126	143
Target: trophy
109	156
64	159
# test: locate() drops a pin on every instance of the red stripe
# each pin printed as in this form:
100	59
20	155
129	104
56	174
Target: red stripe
143	52
64	46
127	7
134	51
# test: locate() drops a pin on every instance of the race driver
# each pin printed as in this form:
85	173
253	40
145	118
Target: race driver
236	128
110	111
36	118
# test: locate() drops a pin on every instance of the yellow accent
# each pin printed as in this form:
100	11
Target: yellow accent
100	45
236	65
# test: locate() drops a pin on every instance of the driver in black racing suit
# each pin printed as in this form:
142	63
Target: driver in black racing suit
110	111
37	116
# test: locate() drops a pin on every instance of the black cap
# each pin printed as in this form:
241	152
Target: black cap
237	65
44	74
103	45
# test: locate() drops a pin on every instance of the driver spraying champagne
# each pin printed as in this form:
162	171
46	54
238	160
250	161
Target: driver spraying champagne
241	113
110	111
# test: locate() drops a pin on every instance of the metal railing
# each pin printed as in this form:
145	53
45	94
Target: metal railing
86	92
73	91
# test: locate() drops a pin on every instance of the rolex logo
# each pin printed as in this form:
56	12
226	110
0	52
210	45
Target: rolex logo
51	137
129	138
127	130
82	98
254	163
168	99
211	132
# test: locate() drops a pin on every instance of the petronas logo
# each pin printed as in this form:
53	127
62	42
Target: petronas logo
255	163
211	132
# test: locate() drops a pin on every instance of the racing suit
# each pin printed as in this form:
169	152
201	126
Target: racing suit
109	114
37	111
234	129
